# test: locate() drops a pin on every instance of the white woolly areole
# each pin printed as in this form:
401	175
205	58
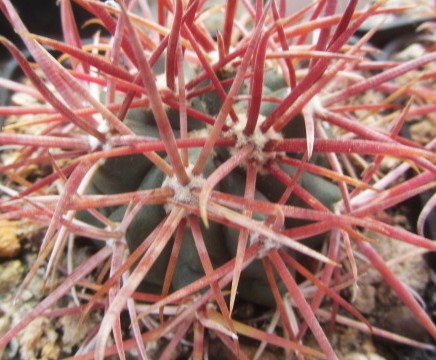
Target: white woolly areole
93	142
267	244
103	127
214	57
258	138
161	82
315	105
182	193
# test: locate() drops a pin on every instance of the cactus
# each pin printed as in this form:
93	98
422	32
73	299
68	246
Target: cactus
214	166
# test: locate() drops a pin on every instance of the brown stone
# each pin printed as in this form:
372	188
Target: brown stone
9	244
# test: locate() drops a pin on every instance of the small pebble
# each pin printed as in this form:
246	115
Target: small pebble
9	244
11	273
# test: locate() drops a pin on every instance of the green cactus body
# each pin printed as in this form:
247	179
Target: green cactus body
136	172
